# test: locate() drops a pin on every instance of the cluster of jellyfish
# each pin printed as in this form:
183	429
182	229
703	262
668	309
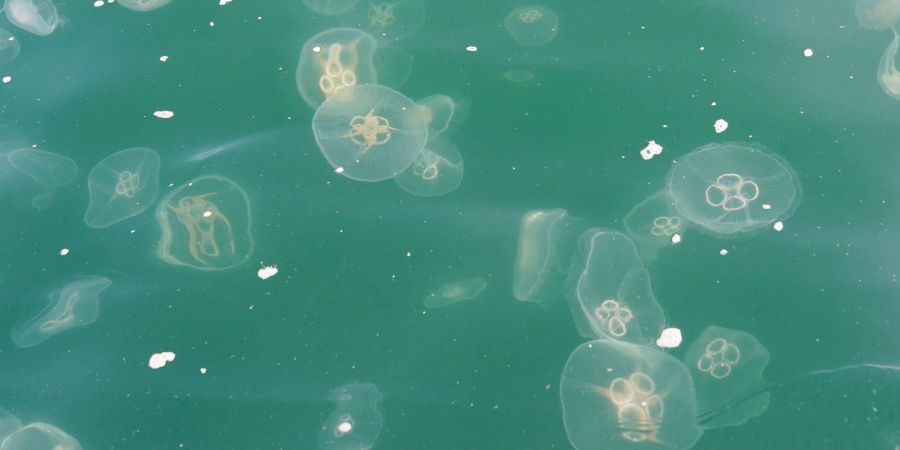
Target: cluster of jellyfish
880	15
622	388
15	435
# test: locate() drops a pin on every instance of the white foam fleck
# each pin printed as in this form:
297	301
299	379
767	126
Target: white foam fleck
652	149
64	252
669	338
164	114
778	226
723	252
471	48
720	126
808	52
267	272
158	360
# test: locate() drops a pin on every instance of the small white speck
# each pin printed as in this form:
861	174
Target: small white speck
766	206
267	272
164	114
720	126
669	338
702	48
339	169
64	252
224	2
345	427
808	53
164	58
212	24
676	238
203	371
408	254
98	3
778	226
713	104
207	213
158	360
316	49
7	79
723	252
471	48
652	149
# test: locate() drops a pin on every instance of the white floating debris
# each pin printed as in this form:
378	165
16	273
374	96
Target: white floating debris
723	252
669	338
207	213
98	3
267	272
164	58
808	52
652	149
164	114
7	79
778	226
158	360
64	252
471	48
720	126
339	169
212	24
676	238
203	371
345	427
766	206
224	2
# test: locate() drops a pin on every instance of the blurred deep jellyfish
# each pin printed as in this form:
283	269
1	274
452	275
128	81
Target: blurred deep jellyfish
532	25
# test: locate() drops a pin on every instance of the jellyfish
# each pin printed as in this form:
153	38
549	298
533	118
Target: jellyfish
356	421
437	170
609	292
144	5
439	111
519	76
387	20
9	47
40	436
329	7
532	25
878	14
369	132
205	225
654	224
731	188
617	395
888	76
122	185
725	364
455	292
75	304
9	423
334	60
546	242
34	16
50	170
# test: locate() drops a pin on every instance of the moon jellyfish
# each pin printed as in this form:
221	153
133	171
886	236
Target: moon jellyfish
546	242
329	7
50	170
205	225
9	46
617	395
733	187
878	14
334	60
437	170
122	185
356	421
725	364
76	304
9	423
34	16
532	25
888	76
369	132
519	76
452	293
439	111
653	224
609	290
387	20
144	5
40	436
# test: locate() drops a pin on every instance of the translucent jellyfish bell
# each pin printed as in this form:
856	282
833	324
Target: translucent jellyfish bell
532	25
75	304
40	436
726	364
878	14
732	187
144	5
9	46
609	290
653	224
205	225
50	170
617	395
334	60
888	76
369	132
453	293
546	241
34	16
122	185
329	7
439	111
437	170
386	19
356	421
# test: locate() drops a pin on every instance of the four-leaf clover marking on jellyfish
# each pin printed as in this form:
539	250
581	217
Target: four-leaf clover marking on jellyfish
731	192
719	358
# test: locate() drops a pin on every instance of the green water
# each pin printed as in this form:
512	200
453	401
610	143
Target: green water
356	260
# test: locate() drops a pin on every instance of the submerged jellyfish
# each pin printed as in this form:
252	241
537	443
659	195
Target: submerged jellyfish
386	19
888	76
733	187
334	60
452	293
532	25
726	364
34	16
519	76
609	290
438	170
356	421
369	132
654	224
546	242
122	185
439	111
40	436
9	423
9	46
205	225
144	5
878	14
617	395
329	7
76	304
49	169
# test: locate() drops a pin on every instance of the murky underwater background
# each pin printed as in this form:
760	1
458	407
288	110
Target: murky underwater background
356	260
